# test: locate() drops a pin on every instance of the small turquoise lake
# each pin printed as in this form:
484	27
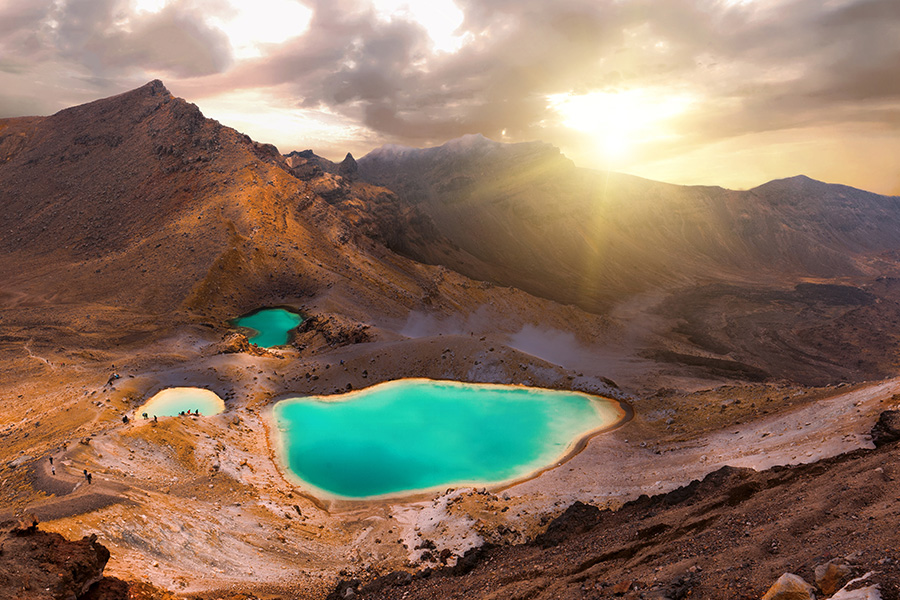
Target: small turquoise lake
171	401
417	434
272	326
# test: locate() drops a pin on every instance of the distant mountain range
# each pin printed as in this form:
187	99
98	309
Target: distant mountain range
533	220
138	201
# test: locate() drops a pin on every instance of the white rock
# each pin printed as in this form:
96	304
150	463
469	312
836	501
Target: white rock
872	592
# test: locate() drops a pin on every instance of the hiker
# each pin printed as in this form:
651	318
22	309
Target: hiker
144	415
154	418
52	467
87	475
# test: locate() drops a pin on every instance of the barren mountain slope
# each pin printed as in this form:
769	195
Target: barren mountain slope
590	237
134	209
780	281
142	187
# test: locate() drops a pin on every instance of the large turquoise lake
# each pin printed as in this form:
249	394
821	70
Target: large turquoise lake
416	434
272	326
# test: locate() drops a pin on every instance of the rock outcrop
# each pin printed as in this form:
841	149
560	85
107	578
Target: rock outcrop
38	565
887	429
348	168
319	331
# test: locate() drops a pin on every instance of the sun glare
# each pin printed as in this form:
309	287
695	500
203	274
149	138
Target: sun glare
620	122
261	22
283	126
440	18
250	25
152	6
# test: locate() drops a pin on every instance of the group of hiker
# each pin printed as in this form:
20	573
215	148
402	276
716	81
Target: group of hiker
184	413
87	475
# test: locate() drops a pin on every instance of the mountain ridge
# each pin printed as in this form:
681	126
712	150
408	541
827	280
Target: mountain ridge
641	225
138	229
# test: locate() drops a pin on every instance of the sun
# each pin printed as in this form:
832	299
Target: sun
441	20
620	122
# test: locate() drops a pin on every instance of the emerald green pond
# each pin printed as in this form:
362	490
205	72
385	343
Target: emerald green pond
417	434
272	326
171	401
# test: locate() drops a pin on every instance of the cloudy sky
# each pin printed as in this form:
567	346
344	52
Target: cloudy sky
726	92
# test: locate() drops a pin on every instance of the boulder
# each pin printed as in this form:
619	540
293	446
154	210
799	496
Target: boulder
790	587
871	592
19	461
831	576
887	429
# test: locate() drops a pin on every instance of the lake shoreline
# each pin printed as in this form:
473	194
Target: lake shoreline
278	443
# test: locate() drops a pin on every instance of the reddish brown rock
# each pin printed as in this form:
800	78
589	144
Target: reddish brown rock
622	588
887	429
38	565
790	587
831	576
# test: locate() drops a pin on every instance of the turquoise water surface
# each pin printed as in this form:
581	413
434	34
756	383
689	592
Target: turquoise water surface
272	326
416	434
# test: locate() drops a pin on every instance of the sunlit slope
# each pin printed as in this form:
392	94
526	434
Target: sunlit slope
588	237
140	202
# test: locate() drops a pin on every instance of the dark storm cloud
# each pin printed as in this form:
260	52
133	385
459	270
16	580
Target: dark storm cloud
800	64
175	41
21	31
385	73
102	43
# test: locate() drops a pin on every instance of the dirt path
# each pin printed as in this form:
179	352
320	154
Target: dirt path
35	356
70	493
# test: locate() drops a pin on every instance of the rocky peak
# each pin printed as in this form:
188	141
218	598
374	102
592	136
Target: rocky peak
348	167
306	164
458	154
790	184
152	88
152	94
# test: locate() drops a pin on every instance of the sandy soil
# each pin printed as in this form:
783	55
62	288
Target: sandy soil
199	503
